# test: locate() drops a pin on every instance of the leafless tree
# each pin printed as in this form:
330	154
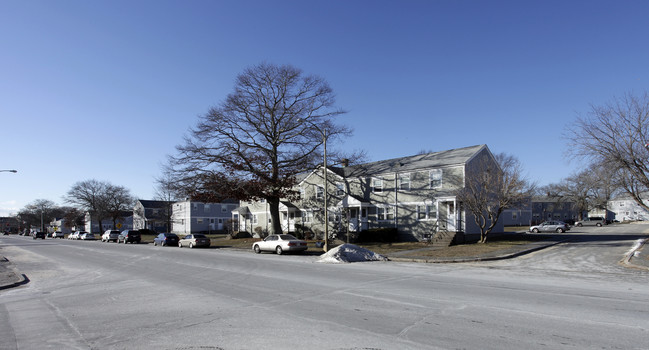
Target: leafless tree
588	189
490	188
252	145
168	191
38	213
615	135
100	198
117	200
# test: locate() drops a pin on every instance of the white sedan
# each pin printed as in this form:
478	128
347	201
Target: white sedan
279	244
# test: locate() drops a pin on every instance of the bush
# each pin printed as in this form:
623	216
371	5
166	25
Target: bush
383	235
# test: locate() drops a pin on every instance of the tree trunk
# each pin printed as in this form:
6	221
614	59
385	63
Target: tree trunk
276	225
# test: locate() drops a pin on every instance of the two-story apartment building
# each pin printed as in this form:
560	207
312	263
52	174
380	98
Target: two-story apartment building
193	217
152	215
624	208
415	195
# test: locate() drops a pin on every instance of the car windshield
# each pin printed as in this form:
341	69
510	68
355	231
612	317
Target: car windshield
288	237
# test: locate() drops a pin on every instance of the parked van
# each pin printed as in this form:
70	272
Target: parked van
592	221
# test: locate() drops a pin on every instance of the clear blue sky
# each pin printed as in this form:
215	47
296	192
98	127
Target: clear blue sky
106	89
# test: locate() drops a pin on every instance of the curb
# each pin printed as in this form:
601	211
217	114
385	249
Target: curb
14	275
631	254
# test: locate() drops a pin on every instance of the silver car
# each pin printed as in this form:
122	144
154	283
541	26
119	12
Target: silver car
280	244
550	226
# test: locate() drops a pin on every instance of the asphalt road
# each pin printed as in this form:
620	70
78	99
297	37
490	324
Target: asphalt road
93	295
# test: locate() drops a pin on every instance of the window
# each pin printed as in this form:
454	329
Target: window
302	193
255	219
207	207
404	182
308	216
319	192
436	178
427	211
224	208
385	213
377	184
340	189
621	204
199	221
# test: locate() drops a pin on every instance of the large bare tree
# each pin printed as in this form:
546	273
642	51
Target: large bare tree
100	198
254	143
616	135
492	188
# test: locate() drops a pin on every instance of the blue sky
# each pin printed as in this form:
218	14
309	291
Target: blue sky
106	89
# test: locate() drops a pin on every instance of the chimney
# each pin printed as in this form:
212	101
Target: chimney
345	162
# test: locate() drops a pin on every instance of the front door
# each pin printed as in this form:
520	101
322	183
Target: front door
353	219
450	219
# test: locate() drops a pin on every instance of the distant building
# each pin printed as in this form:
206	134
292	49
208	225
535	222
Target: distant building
125	222
624	208
553	208
9	223
194	217
152	215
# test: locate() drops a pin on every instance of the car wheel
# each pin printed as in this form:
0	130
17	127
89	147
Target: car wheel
191	245
599	225
155	244
536	230
257	249
560	230
580	225
279	250
162	244
180	245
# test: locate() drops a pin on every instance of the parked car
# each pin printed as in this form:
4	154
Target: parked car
194	240
58	234
110	235
88	236
164	239
76	235
593	221
550	226
129	236
280	244
38	235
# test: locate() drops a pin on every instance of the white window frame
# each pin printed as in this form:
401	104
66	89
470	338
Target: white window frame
405	177
429	211
385	213
377	184
435	178
319	192
255	219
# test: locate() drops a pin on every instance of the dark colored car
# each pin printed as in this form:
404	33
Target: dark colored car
38	235
164	239
129	236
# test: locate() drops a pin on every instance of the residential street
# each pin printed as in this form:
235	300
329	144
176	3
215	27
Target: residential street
93	295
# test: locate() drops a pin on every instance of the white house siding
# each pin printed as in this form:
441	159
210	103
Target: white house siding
391	193
194	217
627	209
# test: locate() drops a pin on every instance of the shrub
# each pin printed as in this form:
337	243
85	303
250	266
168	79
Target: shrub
383	235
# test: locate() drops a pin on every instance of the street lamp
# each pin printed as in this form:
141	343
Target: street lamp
9	171
326	186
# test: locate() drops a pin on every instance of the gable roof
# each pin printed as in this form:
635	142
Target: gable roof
458	156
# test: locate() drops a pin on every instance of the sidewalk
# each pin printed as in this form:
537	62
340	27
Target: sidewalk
9	276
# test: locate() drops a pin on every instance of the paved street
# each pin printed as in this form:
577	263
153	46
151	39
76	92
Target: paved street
93	295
